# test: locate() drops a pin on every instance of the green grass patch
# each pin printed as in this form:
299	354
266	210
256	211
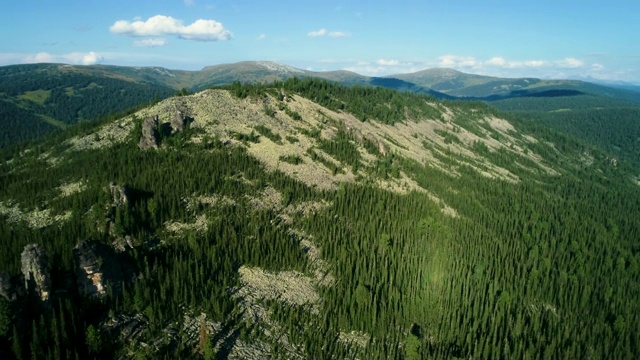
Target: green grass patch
36	96
92	85
52	121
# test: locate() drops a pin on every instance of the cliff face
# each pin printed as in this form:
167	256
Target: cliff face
150	136
177	121
36	271
97	269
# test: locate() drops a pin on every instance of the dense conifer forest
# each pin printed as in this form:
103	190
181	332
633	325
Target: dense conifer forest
37	100
542	268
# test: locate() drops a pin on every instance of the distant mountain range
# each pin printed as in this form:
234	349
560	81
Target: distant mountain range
38	98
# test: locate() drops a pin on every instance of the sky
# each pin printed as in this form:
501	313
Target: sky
577	39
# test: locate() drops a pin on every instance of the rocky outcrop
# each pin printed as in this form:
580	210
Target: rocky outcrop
97	269
178	121
150	136
118	194
8	289
119	198
368	137
36	271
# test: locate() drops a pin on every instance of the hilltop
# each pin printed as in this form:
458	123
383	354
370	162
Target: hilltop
303	219
40	98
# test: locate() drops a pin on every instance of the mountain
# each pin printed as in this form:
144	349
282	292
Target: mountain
459	84
39	98
313	220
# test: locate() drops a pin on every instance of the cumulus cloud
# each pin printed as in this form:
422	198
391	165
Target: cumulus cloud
261	37
41	57
570	63
498	61
380	67
90	58
202	30
317	33
454	61
534	63
325	32
470	63
338	34
152	42
389	62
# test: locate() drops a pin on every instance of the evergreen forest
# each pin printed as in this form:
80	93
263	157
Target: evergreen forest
498	246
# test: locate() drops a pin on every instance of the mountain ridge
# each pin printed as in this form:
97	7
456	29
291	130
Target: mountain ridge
38	98
305	219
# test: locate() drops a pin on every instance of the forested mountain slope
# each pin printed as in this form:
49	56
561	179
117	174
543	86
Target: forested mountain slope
611	125
459	84
37	99
305	220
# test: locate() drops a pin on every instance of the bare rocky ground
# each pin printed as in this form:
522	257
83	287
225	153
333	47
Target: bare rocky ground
68	189
221	115
35	219
218	114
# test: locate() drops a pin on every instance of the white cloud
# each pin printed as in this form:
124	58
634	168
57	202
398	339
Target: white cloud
454	61
317	33
90	58
152	42
570	63
189	2
41	57
325	32
261	37
534	63
597	67
338	34
203	30
385	62
497	61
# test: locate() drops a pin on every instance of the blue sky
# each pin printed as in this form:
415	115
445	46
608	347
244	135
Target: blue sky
547	39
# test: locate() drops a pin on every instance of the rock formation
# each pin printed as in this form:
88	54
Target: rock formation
7	288
97	268
360	139
150	136
36	271
178	121
119	198
118	194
